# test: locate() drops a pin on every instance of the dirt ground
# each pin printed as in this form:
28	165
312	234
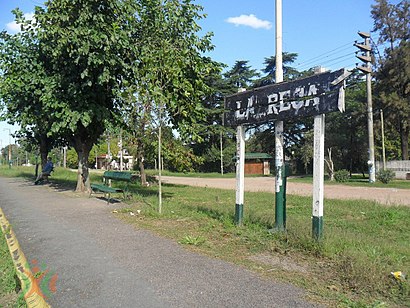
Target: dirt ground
386	196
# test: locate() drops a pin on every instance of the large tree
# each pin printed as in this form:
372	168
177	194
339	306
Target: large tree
23	82
87	48
241	75
289	73
392	22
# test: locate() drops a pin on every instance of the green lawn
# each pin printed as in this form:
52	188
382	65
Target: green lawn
355	180
363	241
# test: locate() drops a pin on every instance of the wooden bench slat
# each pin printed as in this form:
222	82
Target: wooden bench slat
105	188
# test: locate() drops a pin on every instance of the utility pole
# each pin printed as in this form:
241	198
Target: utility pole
65	157
120	146
160	163
365	48
221	146
9	148
383	147
280	223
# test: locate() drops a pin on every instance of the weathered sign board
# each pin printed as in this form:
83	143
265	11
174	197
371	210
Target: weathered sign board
310	96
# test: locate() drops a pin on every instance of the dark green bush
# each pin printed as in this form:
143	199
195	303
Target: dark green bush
385	176
342	176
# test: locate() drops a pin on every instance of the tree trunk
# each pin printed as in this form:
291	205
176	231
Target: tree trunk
330	165
142	170
404	138
44	149
83	177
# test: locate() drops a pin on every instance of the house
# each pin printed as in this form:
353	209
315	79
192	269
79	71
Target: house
257	163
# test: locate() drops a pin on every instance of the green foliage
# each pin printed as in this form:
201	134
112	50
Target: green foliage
192	240
391	22
172	69
342	176
289	73
385	175
240	75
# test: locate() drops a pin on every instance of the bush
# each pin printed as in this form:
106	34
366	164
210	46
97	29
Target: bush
385	176
342	176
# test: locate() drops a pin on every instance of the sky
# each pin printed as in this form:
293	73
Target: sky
321	32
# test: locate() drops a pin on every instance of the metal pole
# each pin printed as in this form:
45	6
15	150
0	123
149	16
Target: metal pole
221	146
318	176
279	189
121	159
65	157
240	174
159	161
371	163
383	147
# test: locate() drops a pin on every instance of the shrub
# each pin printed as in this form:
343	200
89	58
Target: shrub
342	176
385	176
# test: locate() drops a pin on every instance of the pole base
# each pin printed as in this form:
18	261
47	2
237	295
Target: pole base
239	214
317	228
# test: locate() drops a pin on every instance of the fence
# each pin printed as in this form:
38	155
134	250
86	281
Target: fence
400	167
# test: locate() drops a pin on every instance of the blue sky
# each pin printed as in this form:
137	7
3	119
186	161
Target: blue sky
321	32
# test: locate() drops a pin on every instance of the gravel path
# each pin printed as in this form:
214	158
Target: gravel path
103	262
387	196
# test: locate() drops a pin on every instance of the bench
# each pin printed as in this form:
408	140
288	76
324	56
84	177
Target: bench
106	188
43	177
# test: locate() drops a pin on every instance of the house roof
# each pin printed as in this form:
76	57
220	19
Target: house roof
257	156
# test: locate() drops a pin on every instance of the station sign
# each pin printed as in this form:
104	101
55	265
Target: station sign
318	94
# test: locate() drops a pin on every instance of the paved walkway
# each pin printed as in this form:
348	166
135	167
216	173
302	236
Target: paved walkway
102	262
387	196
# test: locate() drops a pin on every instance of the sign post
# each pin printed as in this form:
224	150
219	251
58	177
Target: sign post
280	220
318	175
311	96
240	174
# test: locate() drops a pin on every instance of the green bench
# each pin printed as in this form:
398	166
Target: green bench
106	187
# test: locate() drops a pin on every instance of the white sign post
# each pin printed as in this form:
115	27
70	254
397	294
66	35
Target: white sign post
240	174
318	175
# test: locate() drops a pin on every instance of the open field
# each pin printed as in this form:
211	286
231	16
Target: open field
364	241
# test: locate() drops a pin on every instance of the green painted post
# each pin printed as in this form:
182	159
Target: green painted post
317	227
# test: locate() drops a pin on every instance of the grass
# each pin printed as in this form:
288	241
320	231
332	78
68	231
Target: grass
197	174
364	241
10	295
356	180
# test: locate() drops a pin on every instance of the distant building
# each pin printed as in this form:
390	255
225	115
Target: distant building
257	163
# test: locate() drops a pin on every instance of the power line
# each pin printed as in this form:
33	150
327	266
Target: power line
326	54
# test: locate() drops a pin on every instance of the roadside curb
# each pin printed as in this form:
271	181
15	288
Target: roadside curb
30	288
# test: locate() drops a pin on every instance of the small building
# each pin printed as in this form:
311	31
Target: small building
257	163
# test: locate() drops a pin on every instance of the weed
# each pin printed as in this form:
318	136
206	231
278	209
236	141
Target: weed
192	240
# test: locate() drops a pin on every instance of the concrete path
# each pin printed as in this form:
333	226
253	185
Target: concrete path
102	262
387	196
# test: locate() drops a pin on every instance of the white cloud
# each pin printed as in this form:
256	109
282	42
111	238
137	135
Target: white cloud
14	27
250	21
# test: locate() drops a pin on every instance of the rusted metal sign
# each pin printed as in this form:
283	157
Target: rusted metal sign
318	94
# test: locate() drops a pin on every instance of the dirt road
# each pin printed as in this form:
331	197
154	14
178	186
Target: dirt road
387	196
